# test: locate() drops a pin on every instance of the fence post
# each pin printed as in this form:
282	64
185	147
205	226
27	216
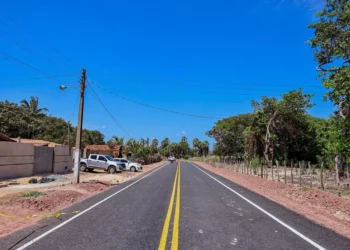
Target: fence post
262	170
250	167
291	171
347	171
310	173
278	176
322	185
309	166
300	173
285	172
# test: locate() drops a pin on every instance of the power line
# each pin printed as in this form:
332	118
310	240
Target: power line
204	86
155	107
50	47
183	82
105	108
37	78
23	63
27	49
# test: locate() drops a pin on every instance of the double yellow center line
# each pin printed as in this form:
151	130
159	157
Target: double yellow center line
175	236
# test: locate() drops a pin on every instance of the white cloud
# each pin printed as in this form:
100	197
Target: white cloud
178	134
183	132
103	126
311	5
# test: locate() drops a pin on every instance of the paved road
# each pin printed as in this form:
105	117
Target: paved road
174	207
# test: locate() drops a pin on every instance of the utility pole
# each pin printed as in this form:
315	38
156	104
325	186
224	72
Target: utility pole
77	150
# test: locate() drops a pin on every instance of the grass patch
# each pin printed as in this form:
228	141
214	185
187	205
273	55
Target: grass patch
305	188
33	194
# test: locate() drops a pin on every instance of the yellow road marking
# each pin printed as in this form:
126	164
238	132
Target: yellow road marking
175	240
162	244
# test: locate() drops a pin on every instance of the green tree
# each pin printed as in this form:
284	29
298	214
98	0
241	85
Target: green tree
205	148
331	45
155	142
165	143
13	120
229	134
275	122
33	106
196	146
115	140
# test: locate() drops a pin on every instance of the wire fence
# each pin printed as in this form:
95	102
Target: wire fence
301	173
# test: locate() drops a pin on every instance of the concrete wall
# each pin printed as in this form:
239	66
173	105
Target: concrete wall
63	161
16	160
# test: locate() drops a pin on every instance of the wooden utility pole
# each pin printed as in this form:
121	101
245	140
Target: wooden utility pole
77	150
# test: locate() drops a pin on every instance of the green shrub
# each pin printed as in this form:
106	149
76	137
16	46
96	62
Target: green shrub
32	194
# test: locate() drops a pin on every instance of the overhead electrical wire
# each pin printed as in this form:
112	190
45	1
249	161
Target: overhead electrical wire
37	78
147	86
105	108
23	63
31	35
182	82
154	107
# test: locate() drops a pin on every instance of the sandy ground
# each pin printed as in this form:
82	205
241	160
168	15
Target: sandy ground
320	206
58	195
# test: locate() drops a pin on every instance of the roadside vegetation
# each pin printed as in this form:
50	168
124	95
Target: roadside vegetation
280	129
32	194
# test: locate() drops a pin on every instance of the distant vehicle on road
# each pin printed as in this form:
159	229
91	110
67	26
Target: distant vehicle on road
105	162
131	166
171	159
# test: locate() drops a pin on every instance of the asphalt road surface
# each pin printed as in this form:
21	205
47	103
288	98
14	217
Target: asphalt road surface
177	207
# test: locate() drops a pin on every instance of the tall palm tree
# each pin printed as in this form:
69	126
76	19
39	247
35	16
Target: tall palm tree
196	142
206	148
155	142
33	106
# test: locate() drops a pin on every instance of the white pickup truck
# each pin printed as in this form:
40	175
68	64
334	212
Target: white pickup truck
131	166
104	162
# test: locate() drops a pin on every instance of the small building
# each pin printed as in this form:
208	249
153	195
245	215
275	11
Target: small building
111	150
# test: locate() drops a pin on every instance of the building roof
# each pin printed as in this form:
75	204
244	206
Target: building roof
39	142
4	137
103	147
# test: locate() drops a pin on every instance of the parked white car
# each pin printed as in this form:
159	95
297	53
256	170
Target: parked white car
129	165
104	162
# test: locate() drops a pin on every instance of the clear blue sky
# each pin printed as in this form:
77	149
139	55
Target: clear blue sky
157	52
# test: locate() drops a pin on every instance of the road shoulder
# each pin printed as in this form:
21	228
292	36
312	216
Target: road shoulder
63	199
252	187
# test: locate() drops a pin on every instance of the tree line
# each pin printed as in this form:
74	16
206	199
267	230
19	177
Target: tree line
28	120
280	129
147	150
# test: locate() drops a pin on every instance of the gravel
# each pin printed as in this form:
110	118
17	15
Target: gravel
58	178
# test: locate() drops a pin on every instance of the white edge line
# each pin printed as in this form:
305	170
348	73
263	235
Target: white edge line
83	212
265	212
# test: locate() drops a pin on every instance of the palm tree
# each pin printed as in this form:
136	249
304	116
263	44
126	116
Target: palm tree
196	142
33	106
205	145
155	142
115	140
33	115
